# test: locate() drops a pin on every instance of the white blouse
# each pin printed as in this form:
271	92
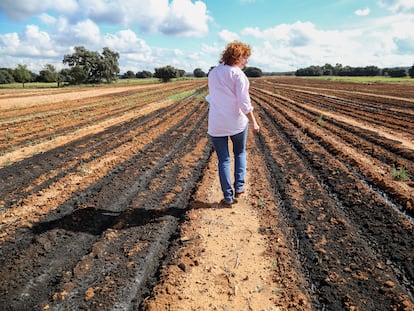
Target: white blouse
229	101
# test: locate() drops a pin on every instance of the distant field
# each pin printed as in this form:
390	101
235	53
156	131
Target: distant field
39	85
363	79
31	85
28	85
154	80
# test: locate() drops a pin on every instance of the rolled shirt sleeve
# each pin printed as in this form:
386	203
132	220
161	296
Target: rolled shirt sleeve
242	91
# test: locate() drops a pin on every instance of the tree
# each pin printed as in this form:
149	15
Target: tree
22	74
345	71
143	74
6	76
180	73
372	71
109	64
80	63
48	74
337	69
90	66
198	73
64	76
411	71
309	71
397	72
166	73
128	75
78	75
253	72
327	69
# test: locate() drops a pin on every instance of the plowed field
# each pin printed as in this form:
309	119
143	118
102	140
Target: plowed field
102	192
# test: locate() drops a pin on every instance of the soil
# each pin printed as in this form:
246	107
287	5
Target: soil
109	200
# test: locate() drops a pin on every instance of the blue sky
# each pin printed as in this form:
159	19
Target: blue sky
187	34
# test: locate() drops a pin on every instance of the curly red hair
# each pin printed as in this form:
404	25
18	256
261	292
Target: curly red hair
234	51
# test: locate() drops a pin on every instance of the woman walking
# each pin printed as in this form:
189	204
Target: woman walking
230	112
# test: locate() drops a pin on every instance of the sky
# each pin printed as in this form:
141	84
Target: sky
284	35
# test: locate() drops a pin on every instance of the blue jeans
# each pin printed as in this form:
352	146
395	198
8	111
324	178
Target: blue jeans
239	150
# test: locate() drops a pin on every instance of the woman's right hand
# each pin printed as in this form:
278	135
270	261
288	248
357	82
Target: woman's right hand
256	127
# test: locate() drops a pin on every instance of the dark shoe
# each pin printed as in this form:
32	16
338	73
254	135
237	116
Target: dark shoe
238	194
225	203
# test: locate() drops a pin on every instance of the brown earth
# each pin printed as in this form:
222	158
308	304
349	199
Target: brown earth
109	200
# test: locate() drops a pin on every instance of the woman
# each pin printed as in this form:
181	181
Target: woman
230	112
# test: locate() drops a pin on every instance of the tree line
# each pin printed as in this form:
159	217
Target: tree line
168	72
93	67
339	70
84	67
87	66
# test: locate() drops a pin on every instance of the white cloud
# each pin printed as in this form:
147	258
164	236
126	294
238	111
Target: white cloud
126	41
210	52
186	19
363	12
178	52
85	32
47	19
20	10
398	6
177	17
146	14
228	36
381	42
34	37
33	48
297	34
9	42
63	6
252	31
136	54
399	30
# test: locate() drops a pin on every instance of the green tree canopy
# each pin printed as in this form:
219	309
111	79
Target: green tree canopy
180	73
64	76
396	72
327	69
338	70
128	75
253	72
22	74
198	73
309	71
91	67
143	74
48	74
109	64
166	73
6	76
411	71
